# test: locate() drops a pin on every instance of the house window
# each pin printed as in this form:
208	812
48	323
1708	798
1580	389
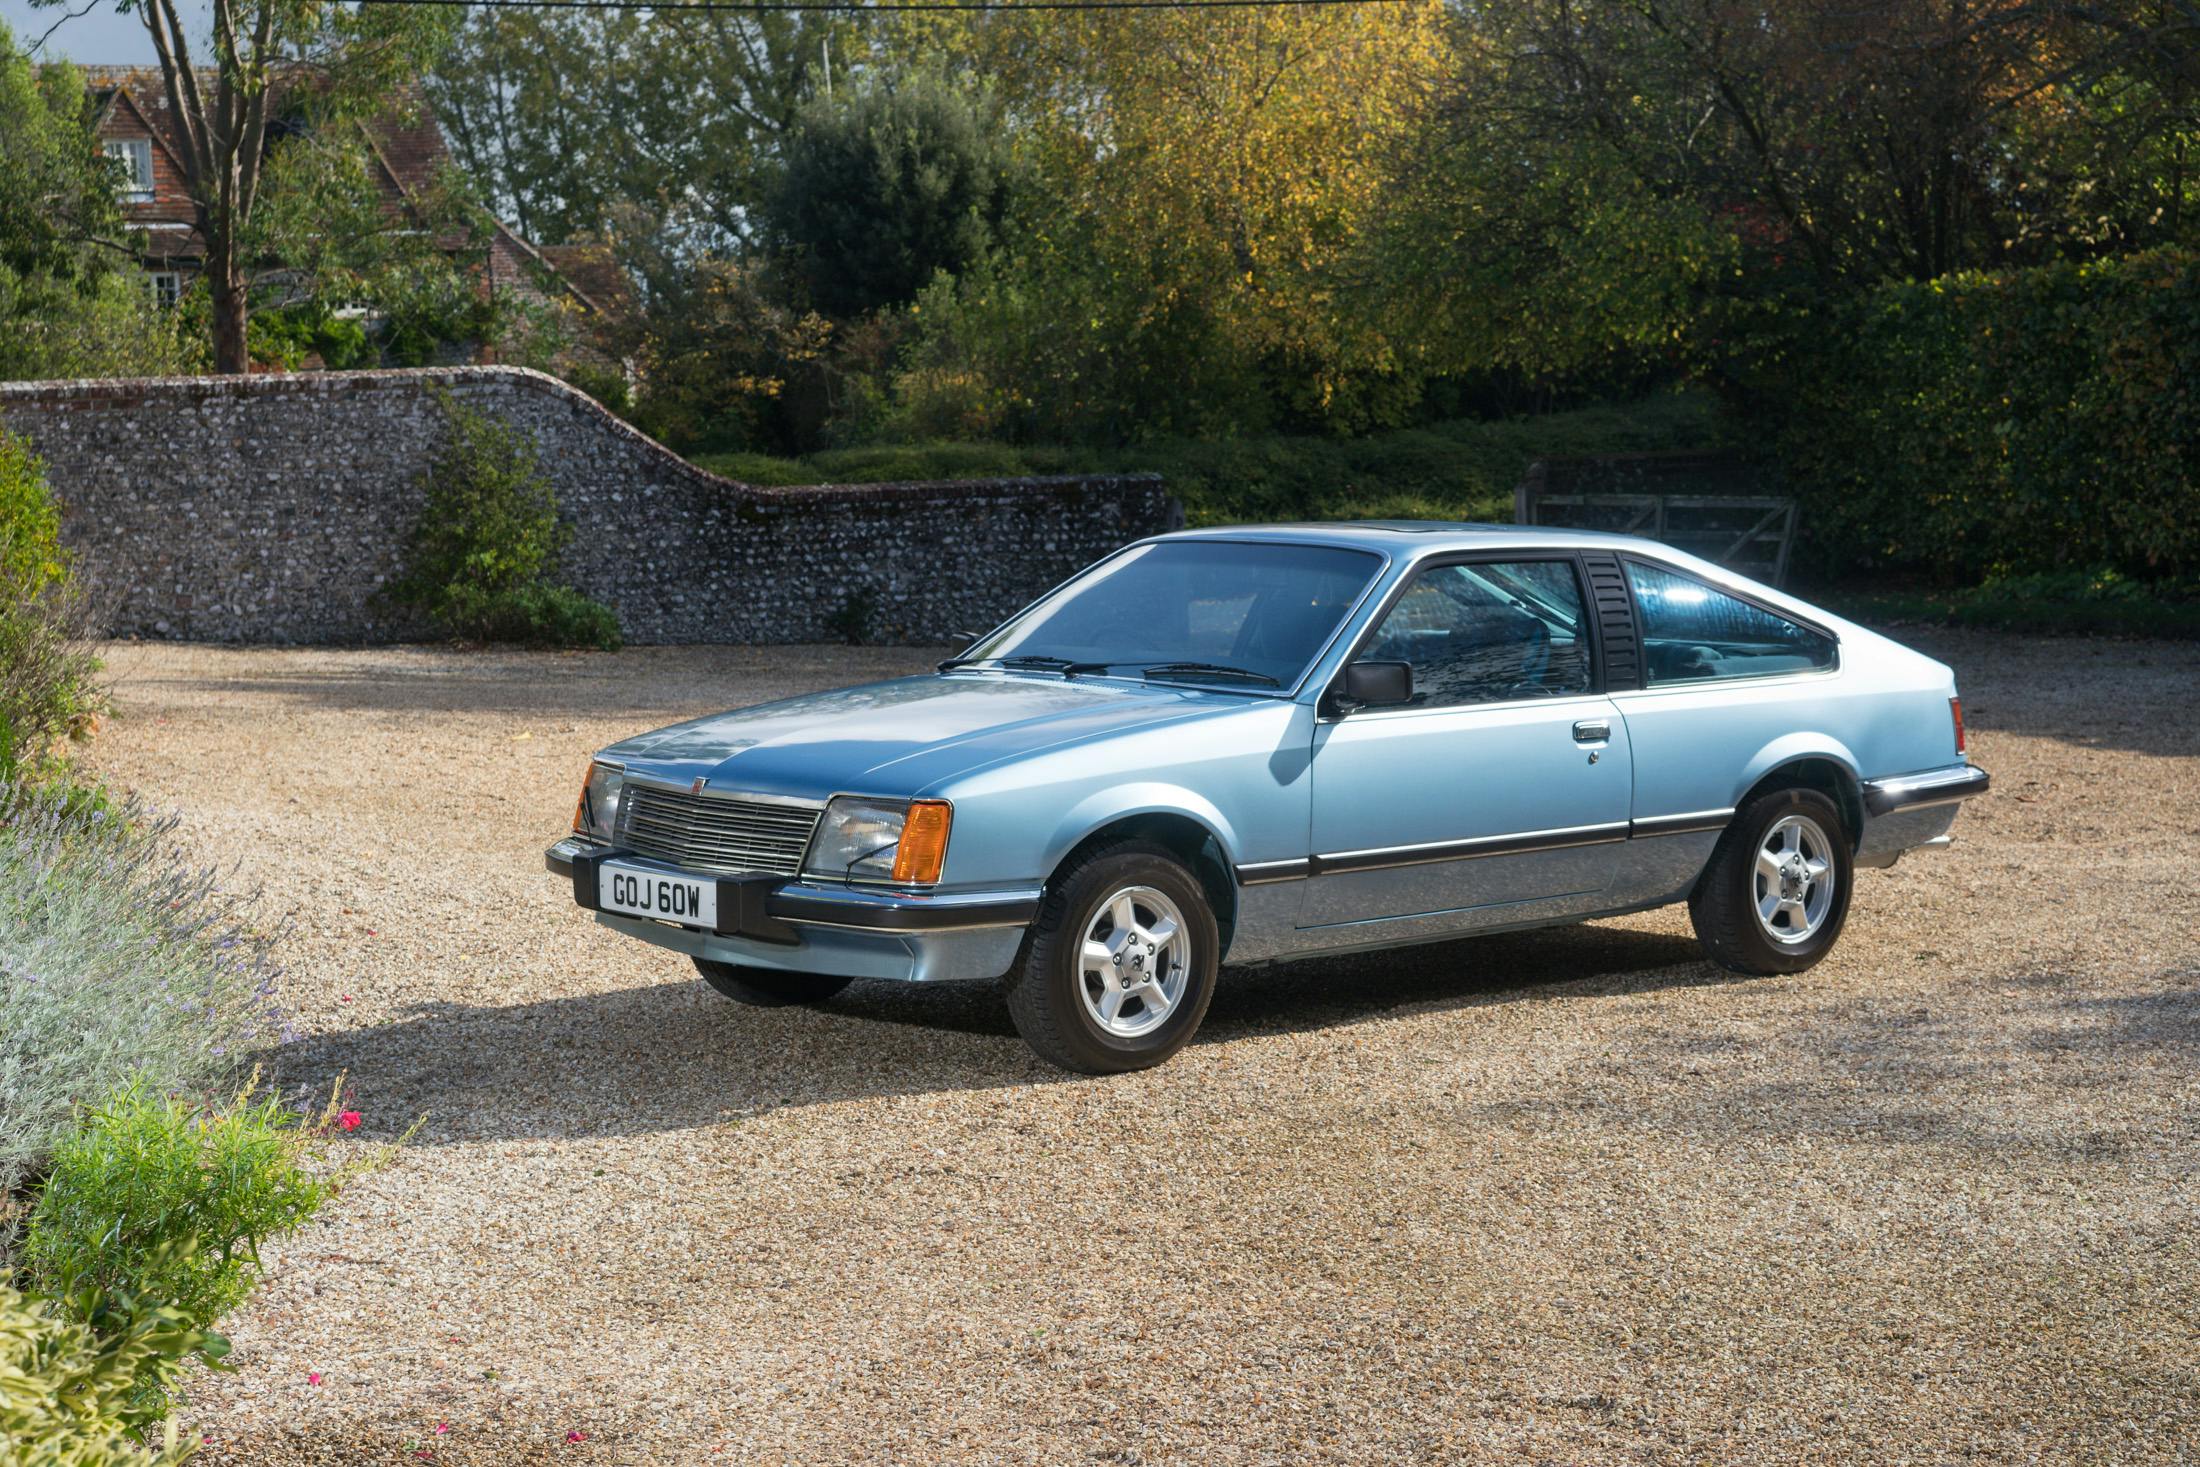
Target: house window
166	286
136	157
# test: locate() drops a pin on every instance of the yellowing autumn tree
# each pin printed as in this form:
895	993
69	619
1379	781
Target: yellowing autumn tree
1209	179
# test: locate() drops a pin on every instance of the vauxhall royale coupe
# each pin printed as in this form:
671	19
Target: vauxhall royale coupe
1257	744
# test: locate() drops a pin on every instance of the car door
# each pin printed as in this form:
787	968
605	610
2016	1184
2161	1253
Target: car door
1501	790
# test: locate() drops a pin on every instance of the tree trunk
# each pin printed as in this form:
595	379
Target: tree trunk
230	355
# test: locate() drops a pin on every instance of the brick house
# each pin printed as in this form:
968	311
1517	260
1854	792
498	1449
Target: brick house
406	152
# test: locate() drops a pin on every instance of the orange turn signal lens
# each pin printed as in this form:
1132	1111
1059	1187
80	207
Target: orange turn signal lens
580	805
923	848
1955	711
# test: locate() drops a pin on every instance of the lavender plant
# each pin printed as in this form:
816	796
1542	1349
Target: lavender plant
119	960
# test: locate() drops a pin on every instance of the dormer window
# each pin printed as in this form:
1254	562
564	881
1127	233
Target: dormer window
136	157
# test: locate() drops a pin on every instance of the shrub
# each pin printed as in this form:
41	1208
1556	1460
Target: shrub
47	671
2033	421
118	960
162	1197
487	543
606	384
1457	470
71	1380
30	521
287	335
2099	601
539	615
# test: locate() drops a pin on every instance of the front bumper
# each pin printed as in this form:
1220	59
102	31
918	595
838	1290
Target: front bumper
816	927
1911	811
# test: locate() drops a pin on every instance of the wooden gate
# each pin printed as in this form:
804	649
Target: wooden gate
1706	504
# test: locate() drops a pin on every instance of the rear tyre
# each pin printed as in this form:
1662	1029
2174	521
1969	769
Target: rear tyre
768	988
1118	968
1775	896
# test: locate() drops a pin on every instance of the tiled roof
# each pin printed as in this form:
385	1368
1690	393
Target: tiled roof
406	143
593	273
403	138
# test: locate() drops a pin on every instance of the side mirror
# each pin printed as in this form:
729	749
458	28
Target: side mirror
1370	685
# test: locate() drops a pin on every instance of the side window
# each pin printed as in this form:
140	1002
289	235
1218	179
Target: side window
1491	632
1693	633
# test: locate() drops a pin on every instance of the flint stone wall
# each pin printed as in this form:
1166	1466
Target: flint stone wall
273	509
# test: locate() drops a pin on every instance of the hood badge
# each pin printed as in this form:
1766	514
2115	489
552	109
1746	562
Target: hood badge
697	787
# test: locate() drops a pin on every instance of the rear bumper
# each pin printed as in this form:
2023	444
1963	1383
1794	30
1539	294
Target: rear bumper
1914	811
1949	786
814	927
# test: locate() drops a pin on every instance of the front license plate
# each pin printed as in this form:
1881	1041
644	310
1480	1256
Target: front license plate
638	891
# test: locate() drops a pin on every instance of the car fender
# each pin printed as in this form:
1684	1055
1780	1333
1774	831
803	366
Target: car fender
1104	807
1793	748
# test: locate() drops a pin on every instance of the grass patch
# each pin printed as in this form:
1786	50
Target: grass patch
1464	469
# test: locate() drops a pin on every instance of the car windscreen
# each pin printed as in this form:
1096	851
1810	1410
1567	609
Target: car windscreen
1262	608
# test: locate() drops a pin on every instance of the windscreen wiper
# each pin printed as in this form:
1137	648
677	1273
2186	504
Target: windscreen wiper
1026	663
1208	669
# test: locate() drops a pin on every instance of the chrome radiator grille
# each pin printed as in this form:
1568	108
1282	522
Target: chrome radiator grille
730	837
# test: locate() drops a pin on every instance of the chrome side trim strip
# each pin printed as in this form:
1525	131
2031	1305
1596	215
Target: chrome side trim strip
1264	873
1689	824
1918	791
1526	842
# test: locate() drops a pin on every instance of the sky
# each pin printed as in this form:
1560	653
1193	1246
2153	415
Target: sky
97	35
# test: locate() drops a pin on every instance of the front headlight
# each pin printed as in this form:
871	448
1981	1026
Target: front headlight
901	841
597	814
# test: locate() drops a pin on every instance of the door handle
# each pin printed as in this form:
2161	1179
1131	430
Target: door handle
1592	731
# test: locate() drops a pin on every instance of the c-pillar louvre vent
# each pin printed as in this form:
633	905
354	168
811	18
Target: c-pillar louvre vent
1615	610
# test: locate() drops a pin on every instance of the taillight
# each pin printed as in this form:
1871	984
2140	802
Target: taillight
1955	711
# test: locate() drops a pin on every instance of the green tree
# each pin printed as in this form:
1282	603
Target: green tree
886	185
568	119
1854	142
347	59
70	305
324	237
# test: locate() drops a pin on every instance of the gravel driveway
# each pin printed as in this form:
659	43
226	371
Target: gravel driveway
1572	1196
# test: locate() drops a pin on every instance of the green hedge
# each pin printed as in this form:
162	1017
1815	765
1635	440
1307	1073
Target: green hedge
1457	470
1980	425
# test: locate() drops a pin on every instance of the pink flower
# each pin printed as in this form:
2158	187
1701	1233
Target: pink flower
343	998
442	1427
349	1120
576	1436
313	1377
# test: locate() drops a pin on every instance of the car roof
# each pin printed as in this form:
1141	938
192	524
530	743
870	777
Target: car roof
1413	538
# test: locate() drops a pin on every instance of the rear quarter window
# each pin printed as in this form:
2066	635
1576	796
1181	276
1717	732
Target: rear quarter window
1693	632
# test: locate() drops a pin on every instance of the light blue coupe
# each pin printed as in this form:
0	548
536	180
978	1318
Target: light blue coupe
1257	744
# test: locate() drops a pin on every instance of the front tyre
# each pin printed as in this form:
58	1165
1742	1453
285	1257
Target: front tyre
1118	968
1776	893
768	988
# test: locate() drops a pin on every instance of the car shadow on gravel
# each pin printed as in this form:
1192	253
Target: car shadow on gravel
674	1056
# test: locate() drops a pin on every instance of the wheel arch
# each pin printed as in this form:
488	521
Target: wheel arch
1194	836
1826	767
